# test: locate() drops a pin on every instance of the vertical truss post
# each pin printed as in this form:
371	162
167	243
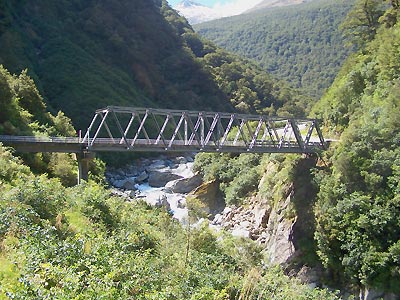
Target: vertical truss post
185	128
87	135
202	129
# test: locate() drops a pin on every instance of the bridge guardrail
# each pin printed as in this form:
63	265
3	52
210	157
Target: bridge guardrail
39	139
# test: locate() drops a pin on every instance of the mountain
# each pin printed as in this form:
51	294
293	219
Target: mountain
84	55
195	12
265	4
300	43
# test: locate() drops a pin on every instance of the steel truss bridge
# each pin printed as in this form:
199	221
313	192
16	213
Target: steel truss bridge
144	129
157	130
126	129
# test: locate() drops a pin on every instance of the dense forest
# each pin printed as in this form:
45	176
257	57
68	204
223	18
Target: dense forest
358	225
301	44
61	241
85	55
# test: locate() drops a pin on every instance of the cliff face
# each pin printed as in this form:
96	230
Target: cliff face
280	216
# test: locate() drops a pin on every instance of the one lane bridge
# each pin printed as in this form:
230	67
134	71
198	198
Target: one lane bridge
122	129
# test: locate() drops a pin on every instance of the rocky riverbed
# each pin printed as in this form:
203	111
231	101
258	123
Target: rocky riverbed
162	181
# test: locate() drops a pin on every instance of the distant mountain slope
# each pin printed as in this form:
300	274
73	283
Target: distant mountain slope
301	44
85	55
276	3
195	12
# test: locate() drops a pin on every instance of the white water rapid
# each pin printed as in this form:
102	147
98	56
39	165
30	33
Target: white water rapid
161	181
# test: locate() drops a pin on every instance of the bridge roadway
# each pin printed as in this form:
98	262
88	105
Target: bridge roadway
35	144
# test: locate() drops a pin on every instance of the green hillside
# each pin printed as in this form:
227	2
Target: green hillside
85	55
301	44
358	225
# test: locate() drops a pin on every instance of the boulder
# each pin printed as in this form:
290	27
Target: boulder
189	159
142	177
160	179
181	203
163	202
129	184
261	216
156	165
118	183
185	185
180	160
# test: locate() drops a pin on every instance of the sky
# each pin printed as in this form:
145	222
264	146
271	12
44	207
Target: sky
228	6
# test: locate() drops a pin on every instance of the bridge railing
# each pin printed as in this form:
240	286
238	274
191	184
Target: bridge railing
39	139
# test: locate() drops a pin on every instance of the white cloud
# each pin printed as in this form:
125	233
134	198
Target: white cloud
234	7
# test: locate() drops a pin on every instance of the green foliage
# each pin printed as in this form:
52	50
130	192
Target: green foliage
44	195
10	167
362	22
238	176
358	228
25	113
300	44
80	243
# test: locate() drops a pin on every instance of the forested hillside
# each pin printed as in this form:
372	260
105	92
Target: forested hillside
85	55
301	44
358	224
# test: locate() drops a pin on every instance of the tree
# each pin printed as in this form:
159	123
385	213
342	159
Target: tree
361	23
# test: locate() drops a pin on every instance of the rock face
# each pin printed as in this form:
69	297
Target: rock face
210	196
263	223
270	218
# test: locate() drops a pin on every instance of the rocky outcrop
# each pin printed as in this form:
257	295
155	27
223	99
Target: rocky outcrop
210	196
262	222
160	179
185	185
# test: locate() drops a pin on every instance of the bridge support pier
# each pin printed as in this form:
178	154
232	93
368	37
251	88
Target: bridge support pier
84	159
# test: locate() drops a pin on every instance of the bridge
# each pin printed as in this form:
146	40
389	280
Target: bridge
124	129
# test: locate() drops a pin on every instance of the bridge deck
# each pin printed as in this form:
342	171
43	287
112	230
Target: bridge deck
74	145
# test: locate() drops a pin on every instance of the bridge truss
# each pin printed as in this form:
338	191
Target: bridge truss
144	129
